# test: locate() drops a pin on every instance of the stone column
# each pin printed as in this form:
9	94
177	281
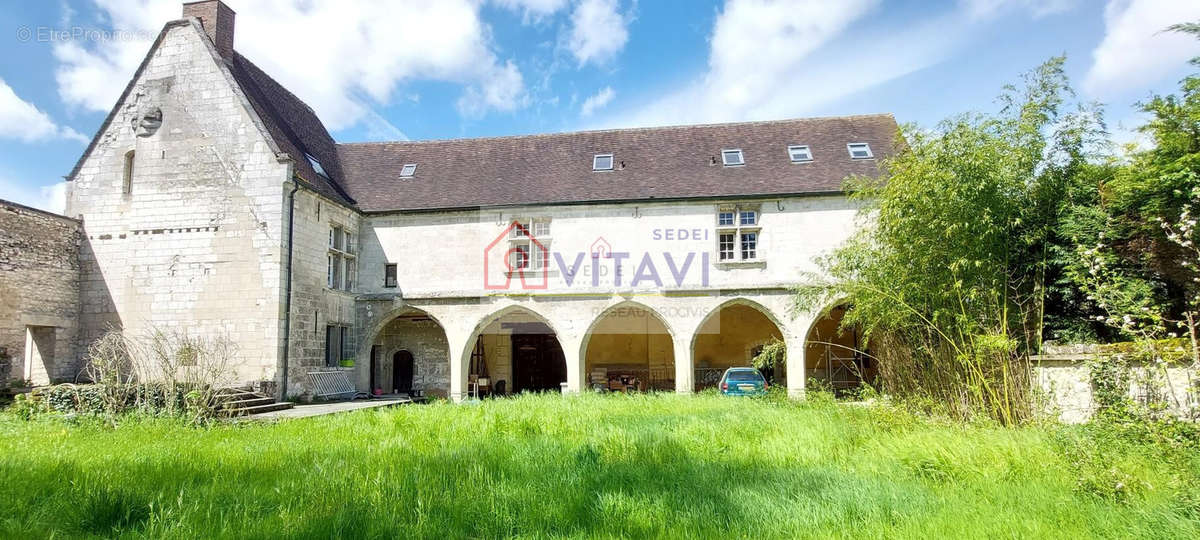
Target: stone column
796	361
576	370
684	373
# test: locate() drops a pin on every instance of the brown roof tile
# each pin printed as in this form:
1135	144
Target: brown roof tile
659	163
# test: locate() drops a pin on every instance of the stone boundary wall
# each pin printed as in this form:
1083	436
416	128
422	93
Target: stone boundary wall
39	295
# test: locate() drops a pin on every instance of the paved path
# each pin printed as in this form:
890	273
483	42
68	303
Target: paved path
320	409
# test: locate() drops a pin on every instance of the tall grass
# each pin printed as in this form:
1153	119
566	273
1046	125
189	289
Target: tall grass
591	466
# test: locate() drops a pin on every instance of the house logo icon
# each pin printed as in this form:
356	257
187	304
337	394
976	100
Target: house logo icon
516	253
601	248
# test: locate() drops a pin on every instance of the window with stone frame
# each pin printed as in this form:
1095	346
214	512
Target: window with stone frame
341	260
390	279
338	345
524	253
738	233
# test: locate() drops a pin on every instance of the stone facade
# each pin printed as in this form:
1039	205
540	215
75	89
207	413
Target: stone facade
39	295
183	220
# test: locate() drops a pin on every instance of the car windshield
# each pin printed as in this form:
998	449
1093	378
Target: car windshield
744	376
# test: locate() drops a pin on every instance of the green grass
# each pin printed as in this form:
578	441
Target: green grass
592	466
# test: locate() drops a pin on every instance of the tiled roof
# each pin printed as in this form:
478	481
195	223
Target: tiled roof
650	163
294	127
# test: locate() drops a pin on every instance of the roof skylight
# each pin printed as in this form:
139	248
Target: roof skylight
732	157
859	150
316	165
799	153
408	170
602	162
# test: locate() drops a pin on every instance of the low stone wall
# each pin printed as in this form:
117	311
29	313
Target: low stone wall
1065	378
39	295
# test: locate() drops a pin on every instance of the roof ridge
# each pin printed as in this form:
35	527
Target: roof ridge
622	130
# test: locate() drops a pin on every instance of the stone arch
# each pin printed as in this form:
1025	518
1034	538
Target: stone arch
718	344
658	352
550	344
412	329
833	356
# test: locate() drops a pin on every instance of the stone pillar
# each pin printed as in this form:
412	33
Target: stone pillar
460	360
796	361
576	370
684	372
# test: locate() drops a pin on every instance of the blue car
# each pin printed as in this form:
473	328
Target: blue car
743	381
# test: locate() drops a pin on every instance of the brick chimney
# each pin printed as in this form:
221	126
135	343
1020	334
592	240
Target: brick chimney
217	20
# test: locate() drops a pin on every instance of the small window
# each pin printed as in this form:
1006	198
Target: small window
389	276
725	218
799	153
316	165
859	150
408	170
602	162
732	157
127	179
519	258
748	217
541	229
749	246
725	246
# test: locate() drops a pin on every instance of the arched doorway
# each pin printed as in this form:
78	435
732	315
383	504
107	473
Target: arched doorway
731	336
629	347
403	368
837	358
410	353
515	350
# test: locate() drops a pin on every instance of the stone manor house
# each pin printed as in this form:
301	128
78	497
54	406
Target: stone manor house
213	200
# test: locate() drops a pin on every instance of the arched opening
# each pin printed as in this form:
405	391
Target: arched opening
515	351
629	348
837	358
731	336
410	356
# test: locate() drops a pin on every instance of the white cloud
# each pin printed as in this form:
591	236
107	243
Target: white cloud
598	101
533	10
340	57
598	31
1135	51
21	120
982	9
51	197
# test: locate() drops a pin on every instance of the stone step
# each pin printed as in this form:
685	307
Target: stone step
248	401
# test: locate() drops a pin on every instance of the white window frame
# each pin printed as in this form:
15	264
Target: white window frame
596	159
792	150
725	157
738	229
865	146
408	170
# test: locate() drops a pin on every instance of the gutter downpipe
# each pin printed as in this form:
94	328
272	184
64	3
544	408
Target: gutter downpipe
287	300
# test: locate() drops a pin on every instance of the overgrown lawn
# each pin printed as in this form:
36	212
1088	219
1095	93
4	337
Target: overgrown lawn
592	466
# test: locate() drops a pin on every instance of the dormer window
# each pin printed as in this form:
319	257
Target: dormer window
859	150
316	165
799	153
408	170
602	162
732	158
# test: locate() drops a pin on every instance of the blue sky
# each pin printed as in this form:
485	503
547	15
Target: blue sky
423	69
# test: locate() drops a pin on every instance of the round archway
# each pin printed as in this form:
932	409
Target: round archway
836	357
731	336
515	350
410	355
629	347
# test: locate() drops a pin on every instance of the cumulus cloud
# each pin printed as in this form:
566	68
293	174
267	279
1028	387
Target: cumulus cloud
597	101
21	120
533	10
1135	50
49	197
982	9
340	57
598	31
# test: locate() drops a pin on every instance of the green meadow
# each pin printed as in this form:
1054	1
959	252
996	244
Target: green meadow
592	466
